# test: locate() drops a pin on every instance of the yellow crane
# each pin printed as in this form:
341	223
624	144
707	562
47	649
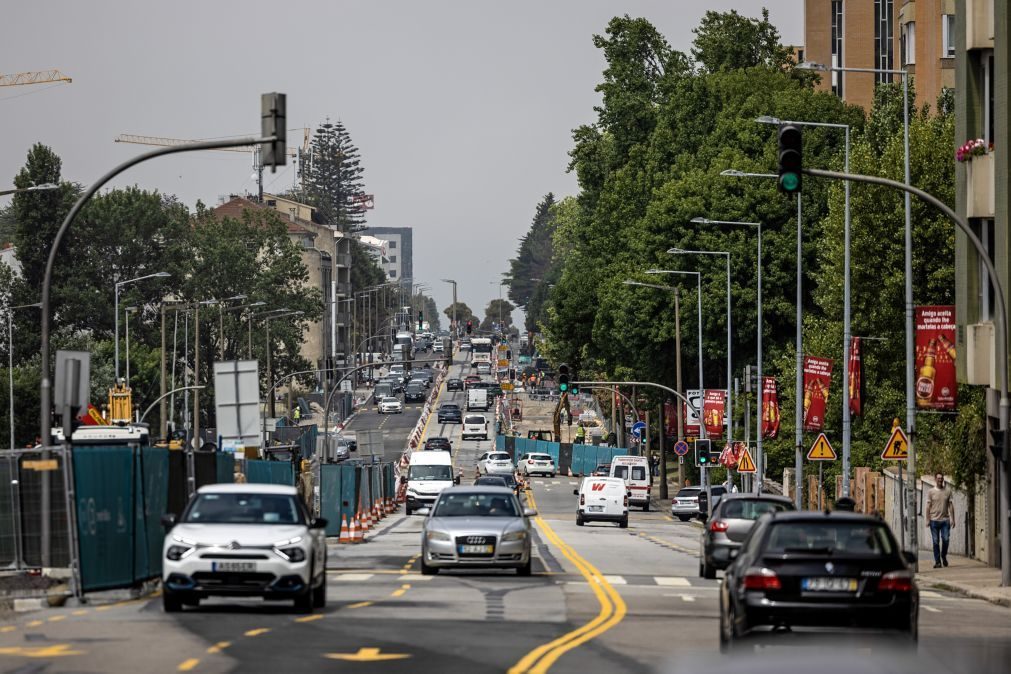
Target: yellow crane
33	77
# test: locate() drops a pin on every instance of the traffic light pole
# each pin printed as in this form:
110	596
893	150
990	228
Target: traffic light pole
1001	327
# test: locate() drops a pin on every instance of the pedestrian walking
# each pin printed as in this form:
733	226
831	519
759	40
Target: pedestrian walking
940	519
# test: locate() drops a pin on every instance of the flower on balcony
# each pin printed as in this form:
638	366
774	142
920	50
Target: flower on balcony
977	147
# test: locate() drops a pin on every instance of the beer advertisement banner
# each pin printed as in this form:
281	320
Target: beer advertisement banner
670	418
770	408
855	388
713	411
817	378
936	387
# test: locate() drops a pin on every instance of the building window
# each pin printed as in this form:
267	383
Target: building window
837	47
948	36
908	43
393	258
883	31
392	244
986	294
988	87
393	273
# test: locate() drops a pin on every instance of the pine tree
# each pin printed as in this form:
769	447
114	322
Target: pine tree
334	183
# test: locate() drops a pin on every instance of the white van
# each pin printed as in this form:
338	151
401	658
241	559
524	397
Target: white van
474	426
429	473
477	399
634	470
602	499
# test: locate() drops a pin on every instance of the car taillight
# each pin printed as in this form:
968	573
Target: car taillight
896	581
626	499
530	461
582	499
719	526
761	579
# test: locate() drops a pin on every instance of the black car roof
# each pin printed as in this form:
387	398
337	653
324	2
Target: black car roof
819	516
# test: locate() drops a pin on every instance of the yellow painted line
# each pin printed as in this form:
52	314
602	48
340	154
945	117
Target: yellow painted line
57	618
309	618
218	647
257	632
34	623
80	611
367	655
400	592
612	609
7	628
56	650
361	604
188	665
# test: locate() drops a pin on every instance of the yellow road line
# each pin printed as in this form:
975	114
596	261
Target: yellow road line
218	647
7	628
435	407
400	592
612	609
57	618
257	632
34	623
361	604
80	611
310	618
187	665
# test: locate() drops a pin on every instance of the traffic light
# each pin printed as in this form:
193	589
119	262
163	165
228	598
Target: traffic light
573	388
469	327
995	437
421	319
563	377
703	454
790	159
273	124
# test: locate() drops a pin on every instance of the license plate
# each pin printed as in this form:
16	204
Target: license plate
829	584
241	567
596	509
475	549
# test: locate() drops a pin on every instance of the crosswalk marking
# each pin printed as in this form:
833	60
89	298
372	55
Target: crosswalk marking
616	580
353	577
929	594
414	577
671	581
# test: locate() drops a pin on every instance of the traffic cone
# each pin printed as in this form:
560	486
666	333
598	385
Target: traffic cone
354	533
377	511
366	520
345	534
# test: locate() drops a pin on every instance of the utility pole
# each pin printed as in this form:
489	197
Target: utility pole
680	387
162	389
196	376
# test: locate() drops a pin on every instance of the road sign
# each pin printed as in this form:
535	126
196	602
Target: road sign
746	464
680	447
822	450
506	386
638	428
897	447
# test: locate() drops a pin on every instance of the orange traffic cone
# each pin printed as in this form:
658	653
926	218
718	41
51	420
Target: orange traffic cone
354	533
378	508
366	520
345	534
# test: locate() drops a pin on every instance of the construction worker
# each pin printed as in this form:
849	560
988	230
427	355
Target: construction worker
580	435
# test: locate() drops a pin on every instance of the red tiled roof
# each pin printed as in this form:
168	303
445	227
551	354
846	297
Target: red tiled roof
236	206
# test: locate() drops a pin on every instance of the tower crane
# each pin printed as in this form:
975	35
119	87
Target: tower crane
33	77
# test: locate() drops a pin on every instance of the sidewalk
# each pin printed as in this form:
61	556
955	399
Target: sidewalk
964	575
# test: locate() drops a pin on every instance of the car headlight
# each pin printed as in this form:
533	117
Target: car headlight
178	552
293	554
438	536
514	536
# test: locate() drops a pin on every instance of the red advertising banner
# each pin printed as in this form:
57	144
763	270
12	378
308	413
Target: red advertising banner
855	388
770	408
731	454
936	387
713	410
817	378
670	417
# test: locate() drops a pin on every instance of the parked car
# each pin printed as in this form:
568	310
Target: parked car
685	504
811	569
454	384
391	406
449	413
439	443
732	520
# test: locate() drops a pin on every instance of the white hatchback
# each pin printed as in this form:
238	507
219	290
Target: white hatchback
492	463
237	540
537	464
391	406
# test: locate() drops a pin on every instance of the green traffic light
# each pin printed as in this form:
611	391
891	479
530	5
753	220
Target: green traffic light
789	181
563	387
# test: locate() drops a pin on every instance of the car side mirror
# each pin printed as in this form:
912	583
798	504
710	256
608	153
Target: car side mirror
910	557
734	552
423	511
575	492
529	512
318	523
456	480
168	520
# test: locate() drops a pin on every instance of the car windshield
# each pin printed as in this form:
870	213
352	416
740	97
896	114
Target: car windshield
864	539
442	472
498	456
751	509
244	509
476	505
688	492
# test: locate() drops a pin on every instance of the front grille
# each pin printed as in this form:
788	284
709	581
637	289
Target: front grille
233	580
232	556
476	540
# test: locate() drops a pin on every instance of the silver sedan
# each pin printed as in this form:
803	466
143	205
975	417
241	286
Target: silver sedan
476	527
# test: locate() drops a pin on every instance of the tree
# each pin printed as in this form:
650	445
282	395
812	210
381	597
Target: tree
533	258
499	312
463	313
335	183
730	41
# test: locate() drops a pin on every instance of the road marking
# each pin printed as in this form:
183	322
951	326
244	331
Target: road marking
414	577
612	609
400	592
257	632
671	581
34	623
367	655
309	618
56	650
930	594
435	407
353	577
573	484
7	628
218	647
361	604
687	597
615	580
57	618
932	609
187	665
81	611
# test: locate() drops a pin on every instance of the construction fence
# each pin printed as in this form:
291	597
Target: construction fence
580	459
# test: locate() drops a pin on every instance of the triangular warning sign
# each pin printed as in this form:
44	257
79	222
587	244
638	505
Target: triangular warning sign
821	450
897	447
746	464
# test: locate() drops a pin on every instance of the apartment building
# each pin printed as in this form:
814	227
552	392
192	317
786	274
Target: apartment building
397	256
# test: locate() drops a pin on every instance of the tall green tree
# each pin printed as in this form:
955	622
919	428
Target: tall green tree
463	313
533	258
335	182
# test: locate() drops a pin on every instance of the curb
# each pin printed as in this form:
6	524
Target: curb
962	589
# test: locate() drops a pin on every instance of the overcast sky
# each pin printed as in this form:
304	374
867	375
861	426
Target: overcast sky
462	110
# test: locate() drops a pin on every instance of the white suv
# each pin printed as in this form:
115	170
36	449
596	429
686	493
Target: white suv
391	406
543	464
492	463
474	426
244	540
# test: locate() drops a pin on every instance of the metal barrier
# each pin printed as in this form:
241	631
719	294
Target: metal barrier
23	473
259	471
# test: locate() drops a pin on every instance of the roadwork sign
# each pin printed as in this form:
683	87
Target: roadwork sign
821	450
746	464
897	447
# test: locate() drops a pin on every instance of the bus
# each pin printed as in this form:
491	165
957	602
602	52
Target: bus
481	351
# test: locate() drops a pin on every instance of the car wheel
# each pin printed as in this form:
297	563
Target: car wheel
645	507
579	520
427	570
708	570
407	510
726	633
319	595
624	523
303	602
552	475
170	602
526	569
684	518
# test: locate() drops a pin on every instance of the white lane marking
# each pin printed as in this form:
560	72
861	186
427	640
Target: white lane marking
573	484
353	577
932	609
616	580
414	577
671	581
930	594
687	597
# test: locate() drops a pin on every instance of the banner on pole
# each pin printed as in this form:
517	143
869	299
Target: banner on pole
936	387
670	418
693	420
817	378
855	387
770	408
713	411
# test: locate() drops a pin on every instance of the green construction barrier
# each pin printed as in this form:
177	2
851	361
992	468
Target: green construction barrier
331	486
151	501
225	467
104	483
269	472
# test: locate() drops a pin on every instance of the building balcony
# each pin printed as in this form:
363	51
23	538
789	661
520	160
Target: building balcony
979	24
342	319
343	288
980	187
980	355
343	260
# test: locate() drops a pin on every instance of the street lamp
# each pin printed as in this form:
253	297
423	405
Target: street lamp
270	371
730	327
221	318
447	280
15	484
161	274
761	382
698	281
126	314
33	188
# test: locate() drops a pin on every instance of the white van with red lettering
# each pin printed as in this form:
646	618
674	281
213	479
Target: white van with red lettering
634	470
602	499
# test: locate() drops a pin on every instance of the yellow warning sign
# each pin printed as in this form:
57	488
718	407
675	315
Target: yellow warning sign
897	447
821	450
746	464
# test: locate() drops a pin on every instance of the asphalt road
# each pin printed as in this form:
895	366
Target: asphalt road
396	427
601	599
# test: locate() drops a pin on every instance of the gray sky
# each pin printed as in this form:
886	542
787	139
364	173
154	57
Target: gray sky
462	110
